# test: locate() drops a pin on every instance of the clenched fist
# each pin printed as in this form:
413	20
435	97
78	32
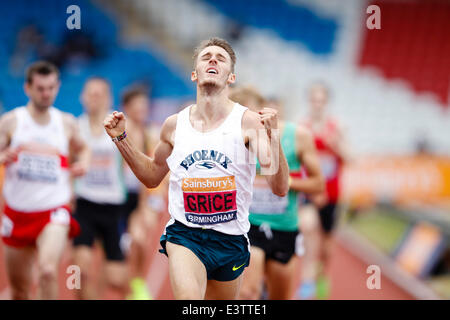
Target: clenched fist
115	124
269	118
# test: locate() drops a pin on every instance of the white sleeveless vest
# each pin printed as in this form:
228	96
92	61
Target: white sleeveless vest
104	181
211	176
39	179
132	183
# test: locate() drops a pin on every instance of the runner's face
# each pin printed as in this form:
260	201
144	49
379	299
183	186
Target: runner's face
42	90
138	109
96	97
213	68
318	100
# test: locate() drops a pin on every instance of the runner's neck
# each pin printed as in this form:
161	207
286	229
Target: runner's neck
210	111
40	116
318	121
96	123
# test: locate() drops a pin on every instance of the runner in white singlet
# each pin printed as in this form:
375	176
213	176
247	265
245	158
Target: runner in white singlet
35	141
101	193
209	149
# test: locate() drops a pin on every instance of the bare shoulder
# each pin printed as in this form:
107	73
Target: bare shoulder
69	119
8	121
168	129
70	123
303	133
304	137
336	123
170	123
8	116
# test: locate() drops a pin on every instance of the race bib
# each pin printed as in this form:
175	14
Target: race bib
264	201
209	200
38	167
98	178
99	174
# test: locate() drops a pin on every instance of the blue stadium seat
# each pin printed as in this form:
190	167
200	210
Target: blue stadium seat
120	64
288	21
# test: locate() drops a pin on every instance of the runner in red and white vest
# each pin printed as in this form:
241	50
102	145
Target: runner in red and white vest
319	217
35	141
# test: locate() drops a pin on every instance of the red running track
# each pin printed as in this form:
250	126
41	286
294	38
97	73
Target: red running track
347	273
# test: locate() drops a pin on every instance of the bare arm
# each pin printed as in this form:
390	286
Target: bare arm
307	154
7	127
78	148
339	144
150	171
147	213
263	136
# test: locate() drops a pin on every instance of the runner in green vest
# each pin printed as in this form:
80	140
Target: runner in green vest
274	220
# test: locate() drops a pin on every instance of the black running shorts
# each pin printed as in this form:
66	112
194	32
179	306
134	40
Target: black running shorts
99	221
277	245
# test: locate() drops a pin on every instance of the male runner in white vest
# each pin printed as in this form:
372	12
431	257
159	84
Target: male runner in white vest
36	143
210	149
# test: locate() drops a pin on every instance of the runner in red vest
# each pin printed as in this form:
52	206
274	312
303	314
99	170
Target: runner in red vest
333	153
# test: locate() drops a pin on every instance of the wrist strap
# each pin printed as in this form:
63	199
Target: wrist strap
120	137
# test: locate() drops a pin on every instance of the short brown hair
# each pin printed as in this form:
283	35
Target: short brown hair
132	93
241	94
219	43
42	68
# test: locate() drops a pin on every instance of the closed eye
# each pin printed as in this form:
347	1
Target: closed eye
221	58
206	56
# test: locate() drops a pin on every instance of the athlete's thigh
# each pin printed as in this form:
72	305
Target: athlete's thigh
116	273
309	218
280	278
82	257
137	228
51	243
19	264
223	290
187	273
253	275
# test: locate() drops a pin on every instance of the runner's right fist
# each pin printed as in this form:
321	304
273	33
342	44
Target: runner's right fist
115	124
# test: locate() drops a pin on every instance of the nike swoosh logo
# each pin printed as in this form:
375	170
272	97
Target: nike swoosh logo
234	267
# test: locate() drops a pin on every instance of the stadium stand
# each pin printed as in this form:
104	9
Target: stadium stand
383	114
115	60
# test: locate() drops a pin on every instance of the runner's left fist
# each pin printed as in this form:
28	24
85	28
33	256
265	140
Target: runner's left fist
269	119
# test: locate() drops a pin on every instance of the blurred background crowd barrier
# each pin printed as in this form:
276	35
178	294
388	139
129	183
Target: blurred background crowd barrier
390	88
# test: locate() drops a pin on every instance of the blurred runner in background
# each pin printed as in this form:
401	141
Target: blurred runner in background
274	219
139	217
319	213
101	194
36	142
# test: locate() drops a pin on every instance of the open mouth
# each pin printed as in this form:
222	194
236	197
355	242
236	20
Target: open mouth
212	71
